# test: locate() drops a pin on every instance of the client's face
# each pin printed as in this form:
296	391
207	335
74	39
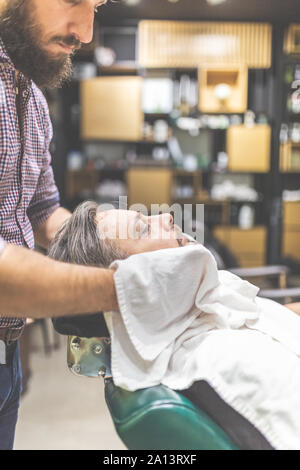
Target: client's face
137	233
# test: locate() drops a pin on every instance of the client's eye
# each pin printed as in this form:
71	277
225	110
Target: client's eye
146	230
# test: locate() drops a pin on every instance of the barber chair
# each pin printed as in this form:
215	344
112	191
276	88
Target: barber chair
278	275
156	418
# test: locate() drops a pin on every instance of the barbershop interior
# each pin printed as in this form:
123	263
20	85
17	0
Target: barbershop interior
191	104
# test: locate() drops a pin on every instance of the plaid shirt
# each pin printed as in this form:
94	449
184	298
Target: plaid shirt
28	194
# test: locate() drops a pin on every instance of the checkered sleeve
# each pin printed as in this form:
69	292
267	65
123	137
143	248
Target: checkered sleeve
46	198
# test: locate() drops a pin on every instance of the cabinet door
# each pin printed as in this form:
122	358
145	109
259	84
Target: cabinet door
111	108
291	229
249	246
291	243
248	148
149	186
291	215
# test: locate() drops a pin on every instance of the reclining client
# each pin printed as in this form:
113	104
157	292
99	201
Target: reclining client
233	354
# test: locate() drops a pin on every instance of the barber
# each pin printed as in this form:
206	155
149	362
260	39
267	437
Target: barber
37	39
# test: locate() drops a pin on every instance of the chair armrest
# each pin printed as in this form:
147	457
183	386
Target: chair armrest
261	271
158	418
264	272
280	294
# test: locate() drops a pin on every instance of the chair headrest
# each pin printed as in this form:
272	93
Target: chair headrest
89	357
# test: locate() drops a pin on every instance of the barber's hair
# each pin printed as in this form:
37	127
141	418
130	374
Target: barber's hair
78	240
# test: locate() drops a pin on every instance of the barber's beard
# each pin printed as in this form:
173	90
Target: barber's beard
22	40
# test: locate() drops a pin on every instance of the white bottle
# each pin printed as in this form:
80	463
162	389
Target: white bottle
246	217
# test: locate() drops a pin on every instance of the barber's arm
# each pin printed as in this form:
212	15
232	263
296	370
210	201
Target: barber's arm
36	286
295	307
45	232
44	211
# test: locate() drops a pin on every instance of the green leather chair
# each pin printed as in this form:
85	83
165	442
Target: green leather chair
156	418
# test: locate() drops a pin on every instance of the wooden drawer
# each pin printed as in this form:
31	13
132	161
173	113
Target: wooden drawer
248	148
246	241
291	243
149	186
249	246
291	214
251	261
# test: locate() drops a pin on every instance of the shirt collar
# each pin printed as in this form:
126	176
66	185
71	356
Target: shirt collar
4	57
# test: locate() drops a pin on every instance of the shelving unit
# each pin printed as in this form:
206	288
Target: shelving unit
290	147
261	153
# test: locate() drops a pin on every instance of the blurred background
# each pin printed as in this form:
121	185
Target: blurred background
174	101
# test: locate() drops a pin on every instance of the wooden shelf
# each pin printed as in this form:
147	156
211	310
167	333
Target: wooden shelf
120	67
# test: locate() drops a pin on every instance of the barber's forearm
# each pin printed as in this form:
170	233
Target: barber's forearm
45	232
36	286
295	307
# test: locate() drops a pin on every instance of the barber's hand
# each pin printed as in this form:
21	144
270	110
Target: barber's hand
295	307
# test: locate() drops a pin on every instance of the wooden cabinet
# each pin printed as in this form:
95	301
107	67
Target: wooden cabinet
248	148
292	39
111	108
79	180
149	186
248	246
235	78
192	44
291	229
290	157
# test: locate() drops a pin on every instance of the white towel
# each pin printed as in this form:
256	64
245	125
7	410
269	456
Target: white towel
182	320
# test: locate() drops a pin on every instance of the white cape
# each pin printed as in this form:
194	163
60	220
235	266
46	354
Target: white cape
182	320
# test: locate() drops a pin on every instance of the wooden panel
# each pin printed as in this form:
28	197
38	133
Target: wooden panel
290	157
292	39
248	148
193	44
248	241
77	181
291	214
236	78
249	246
285	156
251	260
291	243
149	186
111	108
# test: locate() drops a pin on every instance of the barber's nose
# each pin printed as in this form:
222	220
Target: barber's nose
83	28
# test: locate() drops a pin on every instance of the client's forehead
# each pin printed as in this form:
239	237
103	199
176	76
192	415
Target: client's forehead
117	223
117	215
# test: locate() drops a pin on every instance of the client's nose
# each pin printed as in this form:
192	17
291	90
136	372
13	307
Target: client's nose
167	220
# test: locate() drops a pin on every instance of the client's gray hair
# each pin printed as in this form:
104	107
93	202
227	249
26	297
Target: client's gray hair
78	240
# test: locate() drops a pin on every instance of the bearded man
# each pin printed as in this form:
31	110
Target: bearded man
37	40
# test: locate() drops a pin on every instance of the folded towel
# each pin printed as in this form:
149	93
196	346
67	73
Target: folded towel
182	320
